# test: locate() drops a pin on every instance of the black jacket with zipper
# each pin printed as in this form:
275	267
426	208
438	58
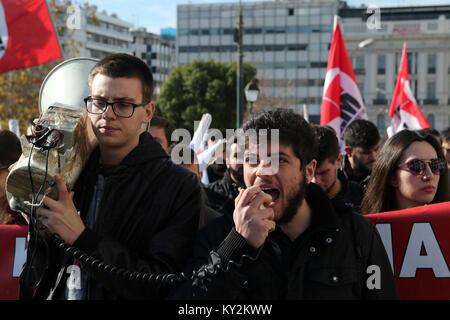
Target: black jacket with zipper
147	222
330	261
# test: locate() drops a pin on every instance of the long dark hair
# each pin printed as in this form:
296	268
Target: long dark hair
380	194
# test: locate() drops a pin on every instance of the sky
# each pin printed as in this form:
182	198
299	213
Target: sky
157	14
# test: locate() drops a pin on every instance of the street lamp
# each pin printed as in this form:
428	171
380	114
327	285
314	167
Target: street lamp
251	93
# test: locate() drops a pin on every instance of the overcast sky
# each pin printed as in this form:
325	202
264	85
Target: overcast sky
157	14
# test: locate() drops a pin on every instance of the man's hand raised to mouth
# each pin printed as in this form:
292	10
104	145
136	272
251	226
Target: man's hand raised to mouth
250	221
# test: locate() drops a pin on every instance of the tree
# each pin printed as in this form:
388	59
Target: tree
202	87
19	89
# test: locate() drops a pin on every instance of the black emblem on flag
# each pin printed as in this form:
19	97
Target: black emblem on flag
350	108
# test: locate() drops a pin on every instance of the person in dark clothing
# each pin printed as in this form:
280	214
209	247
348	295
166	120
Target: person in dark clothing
132	207
362	146
328	174
207	213
221	193
161	130
287	239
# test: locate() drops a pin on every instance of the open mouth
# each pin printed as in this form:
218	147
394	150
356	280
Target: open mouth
273	192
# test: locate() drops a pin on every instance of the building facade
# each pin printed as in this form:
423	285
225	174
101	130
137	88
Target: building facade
158	51
287	41
84	32
375	38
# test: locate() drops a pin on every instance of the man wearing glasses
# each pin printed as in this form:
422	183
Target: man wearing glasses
131	208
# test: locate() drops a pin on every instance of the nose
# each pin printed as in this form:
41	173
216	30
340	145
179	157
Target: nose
265	168
109	112
427	174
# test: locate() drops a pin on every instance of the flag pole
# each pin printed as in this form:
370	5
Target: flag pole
335	21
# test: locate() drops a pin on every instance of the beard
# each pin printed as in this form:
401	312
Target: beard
294	201
331	187
360	169
238	174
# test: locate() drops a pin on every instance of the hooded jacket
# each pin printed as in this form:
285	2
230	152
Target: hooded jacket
147	221
331	259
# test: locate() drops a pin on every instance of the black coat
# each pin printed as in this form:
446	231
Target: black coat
221	194
147	222
328	261
351	192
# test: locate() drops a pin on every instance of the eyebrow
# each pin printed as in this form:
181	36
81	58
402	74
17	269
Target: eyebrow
323	171
115	98
278	154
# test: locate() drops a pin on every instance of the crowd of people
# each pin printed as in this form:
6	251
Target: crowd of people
299	232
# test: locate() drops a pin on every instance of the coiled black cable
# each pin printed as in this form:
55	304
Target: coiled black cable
144	277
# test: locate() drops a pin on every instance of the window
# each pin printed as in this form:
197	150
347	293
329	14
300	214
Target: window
381	124
290	11
359	65
431	90
430	119
432	63
381	64
381	98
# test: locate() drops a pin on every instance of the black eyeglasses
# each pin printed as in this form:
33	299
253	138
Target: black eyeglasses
120	109
417	166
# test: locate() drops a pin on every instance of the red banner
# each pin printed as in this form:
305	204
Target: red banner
418	246
27	36
12	258
404	109
341	102
416	241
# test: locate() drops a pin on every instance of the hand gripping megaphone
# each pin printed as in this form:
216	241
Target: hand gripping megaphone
61	139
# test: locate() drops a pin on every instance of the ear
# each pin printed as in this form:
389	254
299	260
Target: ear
339	160
149	109
310	170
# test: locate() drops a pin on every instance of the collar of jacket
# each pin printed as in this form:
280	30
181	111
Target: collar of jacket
231	182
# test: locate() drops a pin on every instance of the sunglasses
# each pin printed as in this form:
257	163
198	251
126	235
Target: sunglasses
417	166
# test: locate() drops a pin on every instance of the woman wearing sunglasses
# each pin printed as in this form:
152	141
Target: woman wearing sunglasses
410	171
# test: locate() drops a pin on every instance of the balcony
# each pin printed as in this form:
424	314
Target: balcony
379	101
431	101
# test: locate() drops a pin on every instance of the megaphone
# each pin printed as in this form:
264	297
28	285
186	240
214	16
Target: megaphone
62	139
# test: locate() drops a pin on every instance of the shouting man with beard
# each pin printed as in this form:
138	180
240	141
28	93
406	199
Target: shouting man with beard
287	239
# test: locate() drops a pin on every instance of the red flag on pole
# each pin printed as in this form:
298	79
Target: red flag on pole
342	102
404	110
27	36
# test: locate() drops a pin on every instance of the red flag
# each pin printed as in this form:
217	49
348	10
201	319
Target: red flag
342	102
27	36
404	110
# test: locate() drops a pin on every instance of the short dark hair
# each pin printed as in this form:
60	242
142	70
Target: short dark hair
10	148
164	123
445	135
361	133
435	133
293	131
122	65
327	144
